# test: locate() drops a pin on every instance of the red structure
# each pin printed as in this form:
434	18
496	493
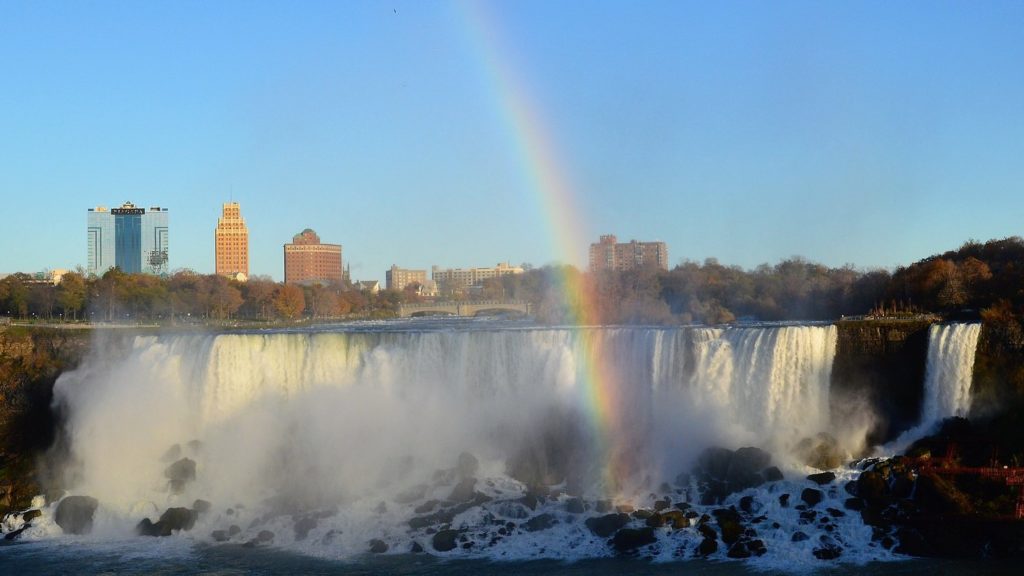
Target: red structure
949	466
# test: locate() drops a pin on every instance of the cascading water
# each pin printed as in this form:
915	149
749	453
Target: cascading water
948	376
361	429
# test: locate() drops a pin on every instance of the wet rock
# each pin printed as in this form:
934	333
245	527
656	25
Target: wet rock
575	506
463	491
75	513
180	473
855	504
829	549
427	506
642	514
938	495
676	519
835	512
173	519
772	474
655	520
757	547
15	534
747	504
811	495
219	535
872	487
603	506
303	526
234	529
467	465
707	532
437	518
707	547
799	536
31	515
784	500
201	506
540	522
822	478
605	526
378	546
729	523
662	505
445	540
822	452
738	550
723	471
808	516
629	539
416	548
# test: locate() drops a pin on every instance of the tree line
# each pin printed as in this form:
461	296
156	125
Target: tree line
982	278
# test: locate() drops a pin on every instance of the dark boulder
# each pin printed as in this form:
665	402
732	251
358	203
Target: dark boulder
219	535
822	478
822	452
416	548
729	523
540	522
31	515
463	491
605	526
445	540
378	546
872	487
738	550
575	506
75	513
173	519
303	526
467	465
629	539
799	536
180	473
772	474
812	496
855	504
201	506
707	547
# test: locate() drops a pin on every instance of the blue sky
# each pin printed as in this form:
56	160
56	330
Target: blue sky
872	133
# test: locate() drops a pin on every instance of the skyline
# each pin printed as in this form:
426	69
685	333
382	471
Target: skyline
861	133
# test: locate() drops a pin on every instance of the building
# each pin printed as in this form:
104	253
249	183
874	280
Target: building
131	238
371	286
457	280
232	243
308	261
608	254
398	278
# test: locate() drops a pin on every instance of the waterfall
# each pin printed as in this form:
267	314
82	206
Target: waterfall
947	382
948	373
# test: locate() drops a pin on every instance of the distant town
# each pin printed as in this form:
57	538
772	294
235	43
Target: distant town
132	240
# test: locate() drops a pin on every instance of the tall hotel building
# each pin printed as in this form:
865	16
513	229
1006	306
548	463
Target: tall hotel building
232	243
307	261
130	238
608	254
398	278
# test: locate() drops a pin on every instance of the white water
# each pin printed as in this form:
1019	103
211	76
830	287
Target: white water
345	421
948	376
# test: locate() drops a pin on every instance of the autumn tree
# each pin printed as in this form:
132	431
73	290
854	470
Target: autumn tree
289	301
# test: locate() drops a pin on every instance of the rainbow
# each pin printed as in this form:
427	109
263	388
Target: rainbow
552	187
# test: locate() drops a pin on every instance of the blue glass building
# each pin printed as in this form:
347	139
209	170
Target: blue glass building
131	238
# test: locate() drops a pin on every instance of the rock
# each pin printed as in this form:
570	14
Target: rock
265	536
378	546
772	474
661	505
729	523
467	465
799	536
603	506
707	547
540	522
234	529
707	532
171	520
629	539
822	478
784	500
180	473
201	506
822	452
75	513
724	471
747	504
416	548
738	550
31	515
173	453
757	547
444	540
811	495
605	526
655	520
872	487
855	504
675	518
427	506
829	549
835	512
642	514
303	526
575	506
218	535
463	491
937	495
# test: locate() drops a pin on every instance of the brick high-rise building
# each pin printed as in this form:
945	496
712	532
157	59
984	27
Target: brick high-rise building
232	242
608	254
307	261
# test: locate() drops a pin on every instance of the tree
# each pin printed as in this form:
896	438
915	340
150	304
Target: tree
289	301
71	294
